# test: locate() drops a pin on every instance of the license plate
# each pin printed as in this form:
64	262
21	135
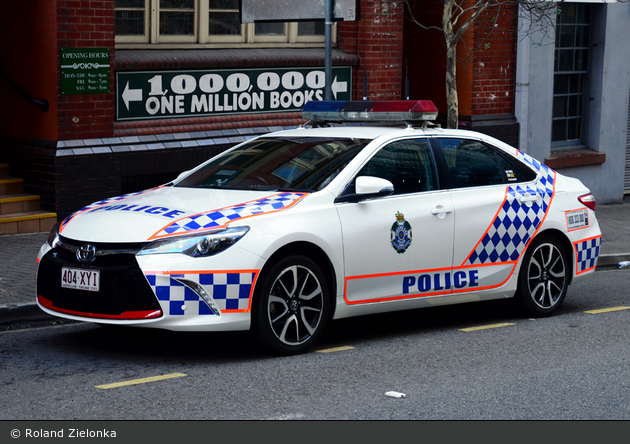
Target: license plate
80	279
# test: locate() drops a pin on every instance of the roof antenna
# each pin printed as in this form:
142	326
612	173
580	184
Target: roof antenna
365	85
406	80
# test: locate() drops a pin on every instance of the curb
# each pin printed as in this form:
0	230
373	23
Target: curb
609	260
23	312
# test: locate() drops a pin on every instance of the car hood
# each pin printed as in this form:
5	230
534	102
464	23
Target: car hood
170	211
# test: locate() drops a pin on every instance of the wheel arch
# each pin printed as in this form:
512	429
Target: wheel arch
315	253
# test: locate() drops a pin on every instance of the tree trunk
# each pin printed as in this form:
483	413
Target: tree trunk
452	120
452	116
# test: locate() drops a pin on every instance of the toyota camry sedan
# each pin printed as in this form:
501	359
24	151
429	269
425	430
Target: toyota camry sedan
288	231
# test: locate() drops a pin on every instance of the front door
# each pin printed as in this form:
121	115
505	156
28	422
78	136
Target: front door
400	246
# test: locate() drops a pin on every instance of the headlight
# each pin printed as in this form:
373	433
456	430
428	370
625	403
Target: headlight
198	245
53	236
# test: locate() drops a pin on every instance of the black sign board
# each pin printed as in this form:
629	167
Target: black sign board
173	94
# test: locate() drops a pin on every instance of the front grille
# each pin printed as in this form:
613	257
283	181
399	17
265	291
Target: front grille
123	287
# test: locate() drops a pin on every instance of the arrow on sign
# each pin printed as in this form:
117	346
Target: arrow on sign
338	87
131	95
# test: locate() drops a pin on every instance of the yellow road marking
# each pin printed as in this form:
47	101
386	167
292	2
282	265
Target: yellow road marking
485	327
140	381
335	349
606	310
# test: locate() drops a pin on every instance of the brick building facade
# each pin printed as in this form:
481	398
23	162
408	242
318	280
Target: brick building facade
80	150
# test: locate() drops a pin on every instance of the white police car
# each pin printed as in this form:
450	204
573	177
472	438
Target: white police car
287	231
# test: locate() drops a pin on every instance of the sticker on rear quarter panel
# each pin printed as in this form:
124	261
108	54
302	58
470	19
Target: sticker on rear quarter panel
577	219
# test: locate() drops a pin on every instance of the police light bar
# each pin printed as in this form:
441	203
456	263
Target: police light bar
391	110
357	110
323	110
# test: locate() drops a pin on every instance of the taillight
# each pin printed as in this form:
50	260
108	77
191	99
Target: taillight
588	200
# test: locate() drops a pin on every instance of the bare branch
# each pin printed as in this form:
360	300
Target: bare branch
463	12
476	13
415	21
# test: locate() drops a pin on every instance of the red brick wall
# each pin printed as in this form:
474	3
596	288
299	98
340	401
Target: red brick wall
494	65
378	40
86	24
36	30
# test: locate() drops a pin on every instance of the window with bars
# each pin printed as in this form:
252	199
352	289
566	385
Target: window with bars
210	22
571	74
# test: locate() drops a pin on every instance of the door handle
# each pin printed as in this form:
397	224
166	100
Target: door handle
441	211
528	199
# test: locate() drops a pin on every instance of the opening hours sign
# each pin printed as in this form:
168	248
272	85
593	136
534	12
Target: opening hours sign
174	94
85	70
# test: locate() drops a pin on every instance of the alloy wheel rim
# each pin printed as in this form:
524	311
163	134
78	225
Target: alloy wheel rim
546	276
295	305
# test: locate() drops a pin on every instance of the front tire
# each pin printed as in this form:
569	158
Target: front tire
544	278
291	306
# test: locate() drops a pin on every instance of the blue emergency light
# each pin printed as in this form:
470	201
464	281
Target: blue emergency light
354	110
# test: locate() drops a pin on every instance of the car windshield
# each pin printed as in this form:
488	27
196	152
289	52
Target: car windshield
283	164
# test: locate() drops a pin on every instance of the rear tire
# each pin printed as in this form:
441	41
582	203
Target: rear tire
544	277
291	306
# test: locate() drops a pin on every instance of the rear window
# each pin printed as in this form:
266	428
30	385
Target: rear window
472	163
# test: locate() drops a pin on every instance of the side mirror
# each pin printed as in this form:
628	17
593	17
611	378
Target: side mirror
368	187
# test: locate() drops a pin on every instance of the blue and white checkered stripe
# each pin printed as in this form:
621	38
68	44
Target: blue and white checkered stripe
545	184
220	218
516	222
586	254
229	291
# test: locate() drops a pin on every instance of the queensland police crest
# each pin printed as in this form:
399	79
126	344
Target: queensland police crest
400	233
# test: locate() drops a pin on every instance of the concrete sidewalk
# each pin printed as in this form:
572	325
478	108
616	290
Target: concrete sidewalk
18	255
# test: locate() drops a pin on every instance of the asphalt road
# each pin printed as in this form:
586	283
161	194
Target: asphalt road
572	366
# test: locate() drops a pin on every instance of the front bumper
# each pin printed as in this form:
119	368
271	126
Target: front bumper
170	291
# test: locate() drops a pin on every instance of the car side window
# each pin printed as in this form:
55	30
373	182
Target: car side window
408	164
472	163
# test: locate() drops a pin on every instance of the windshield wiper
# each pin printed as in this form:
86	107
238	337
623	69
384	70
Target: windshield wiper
218	187
291	190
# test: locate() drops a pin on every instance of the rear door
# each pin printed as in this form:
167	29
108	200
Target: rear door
498	208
